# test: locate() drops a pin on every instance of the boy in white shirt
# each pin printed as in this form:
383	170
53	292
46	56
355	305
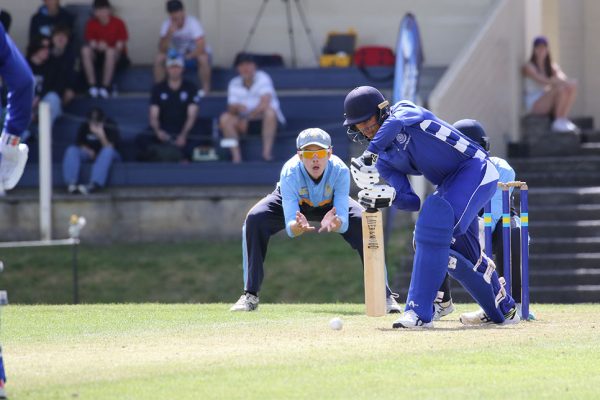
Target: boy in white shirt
251	98
183	34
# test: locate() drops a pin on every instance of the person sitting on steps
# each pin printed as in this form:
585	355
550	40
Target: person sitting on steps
548	90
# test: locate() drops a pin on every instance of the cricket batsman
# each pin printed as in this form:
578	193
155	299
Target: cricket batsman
406	139
314	185
16	75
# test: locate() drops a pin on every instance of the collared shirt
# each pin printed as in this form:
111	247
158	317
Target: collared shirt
300	192
173	104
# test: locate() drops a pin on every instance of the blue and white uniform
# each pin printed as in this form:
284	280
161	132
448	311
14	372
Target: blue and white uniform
413	141
298	191
16	75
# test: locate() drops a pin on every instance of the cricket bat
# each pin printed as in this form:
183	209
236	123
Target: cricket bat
374	258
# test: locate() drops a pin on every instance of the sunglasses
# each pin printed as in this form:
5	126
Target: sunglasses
322	153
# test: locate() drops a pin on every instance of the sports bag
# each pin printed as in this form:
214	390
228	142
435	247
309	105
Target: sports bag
374	56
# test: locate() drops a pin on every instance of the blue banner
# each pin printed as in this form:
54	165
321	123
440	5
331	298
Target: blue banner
409	59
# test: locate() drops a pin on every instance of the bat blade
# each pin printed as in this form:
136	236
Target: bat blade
374	258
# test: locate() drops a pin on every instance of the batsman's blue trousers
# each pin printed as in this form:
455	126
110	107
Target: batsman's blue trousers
266	219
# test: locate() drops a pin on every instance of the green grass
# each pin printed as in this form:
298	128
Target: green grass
313	268
190	351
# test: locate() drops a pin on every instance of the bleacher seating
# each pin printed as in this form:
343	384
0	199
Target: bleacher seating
309	97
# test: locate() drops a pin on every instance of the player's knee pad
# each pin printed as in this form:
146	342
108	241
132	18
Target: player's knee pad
433	234
482	283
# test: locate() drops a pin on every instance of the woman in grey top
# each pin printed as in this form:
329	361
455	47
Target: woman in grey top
548	90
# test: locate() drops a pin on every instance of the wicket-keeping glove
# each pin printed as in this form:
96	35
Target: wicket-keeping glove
379	196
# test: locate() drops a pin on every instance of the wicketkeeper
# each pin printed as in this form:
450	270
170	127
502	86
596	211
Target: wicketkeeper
314	185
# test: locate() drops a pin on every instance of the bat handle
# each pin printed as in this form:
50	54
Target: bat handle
372	210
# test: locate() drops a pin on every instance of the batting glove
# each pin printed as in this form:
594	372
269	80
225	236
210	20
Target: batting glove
13	157
363	170
378	196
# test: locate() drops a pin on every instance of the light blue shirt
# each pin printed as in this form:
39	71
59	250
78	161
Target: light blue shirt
298	188
507	174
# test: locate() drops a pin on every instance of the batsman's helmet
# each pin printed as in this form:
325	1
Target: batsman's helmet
361	104
474	131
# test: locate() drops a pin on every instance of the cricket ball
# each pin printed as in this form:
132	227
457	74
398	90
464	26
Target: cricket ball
336	324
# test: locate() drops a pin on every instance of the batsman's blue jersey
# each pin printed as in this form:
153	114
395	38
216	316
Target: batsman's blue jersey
413	141
299	191
17	76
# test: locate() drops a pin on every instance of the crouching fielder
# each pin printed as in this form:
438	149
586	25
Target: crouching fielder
16	75
410	140
314	185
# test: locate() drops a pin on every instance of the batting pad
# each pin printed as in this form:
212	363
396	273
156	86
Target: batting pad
481	281
433	234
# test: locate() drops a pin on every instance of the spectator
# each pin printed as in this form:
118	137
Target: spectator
184	34
62	64
52	76
173	112
547	89
5	19
38	55
105	48
47	17
251	98
96	141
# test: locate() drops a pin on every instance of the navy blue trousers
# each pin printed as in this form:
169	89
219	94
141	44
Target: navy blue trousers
266	219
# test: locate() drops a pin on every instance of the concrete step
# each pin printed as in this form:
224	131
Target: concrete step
556	164
563	195
570	277
590	149
557	245
580	228
566	212
561	178
561	261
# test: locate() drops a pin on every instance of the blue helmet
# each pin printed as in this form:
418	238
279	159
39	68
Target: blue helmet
474	131
361	104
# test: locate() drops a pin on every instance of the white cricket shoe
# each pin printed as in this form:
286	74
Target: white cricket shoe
391	305
481	318
246	302
411	320
441	309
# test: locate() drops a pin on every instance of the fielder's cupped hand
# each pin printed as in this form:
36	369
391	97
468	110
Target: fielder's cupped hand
363	170
330	222
378	196
302	224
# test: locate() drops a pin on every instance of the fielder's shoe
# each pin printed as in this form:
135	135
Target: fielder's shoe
247	302
391	305
411	320
481	318
441	309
